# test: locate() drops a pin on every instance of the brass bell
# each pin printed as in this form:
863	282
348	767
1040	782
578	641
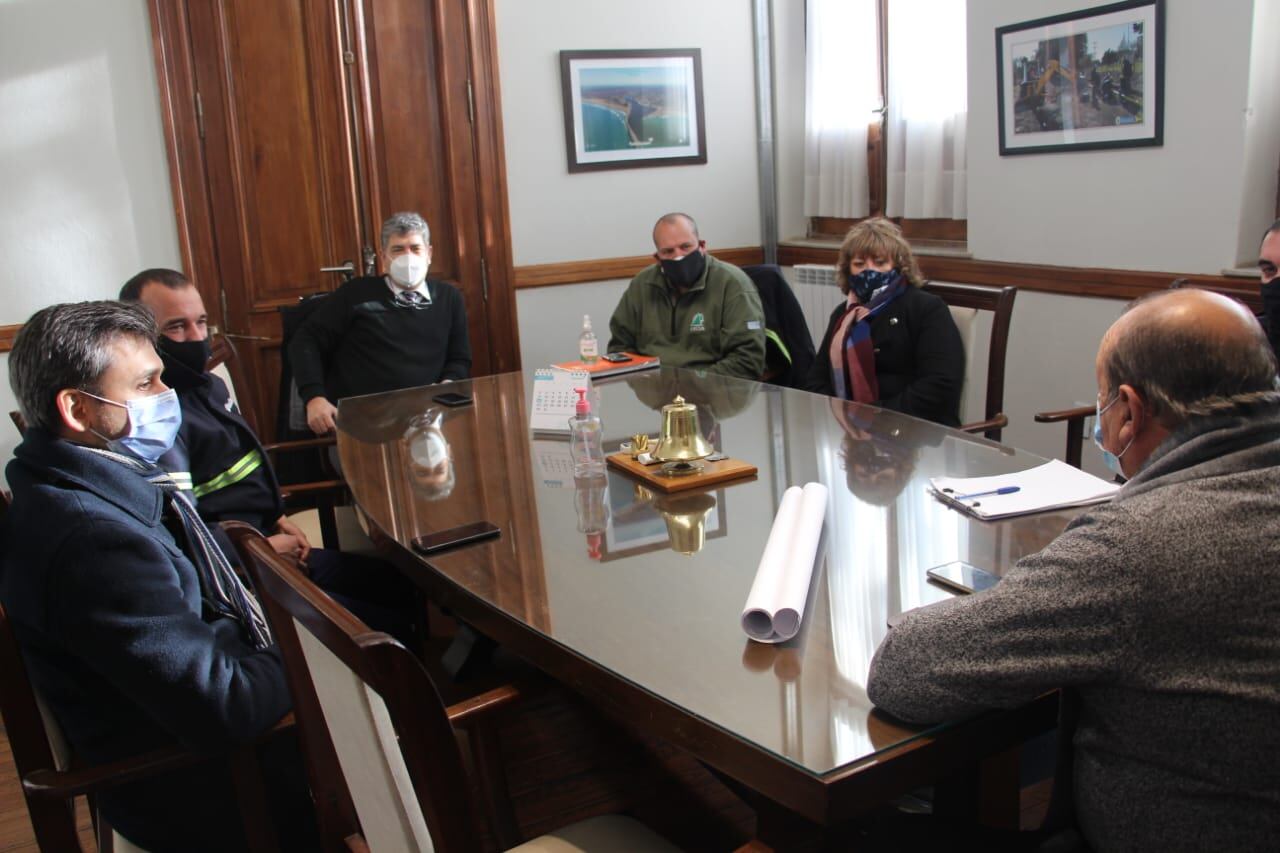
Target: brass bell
686	518
681	439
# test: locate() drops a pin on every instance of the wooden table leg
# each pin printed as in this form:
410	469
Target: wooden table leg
987	793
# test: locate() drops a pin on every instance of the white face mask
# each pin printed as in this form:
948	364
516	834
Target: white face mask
409	270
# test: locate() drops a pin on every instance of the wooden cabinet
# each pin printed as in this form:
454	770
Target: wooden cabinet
295	127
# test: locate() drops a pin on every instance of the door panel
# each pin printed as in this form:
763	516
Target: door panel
271	81
295	127
420	157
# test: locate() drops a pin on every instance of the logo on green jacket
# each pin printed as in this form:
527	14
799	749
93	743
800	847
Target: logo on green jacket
699	323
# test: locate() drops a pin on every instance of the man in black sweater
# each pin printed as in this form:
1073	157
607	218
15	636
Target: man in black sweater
382	333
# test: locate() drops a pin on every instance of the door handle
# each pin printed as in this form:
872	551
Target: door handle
348	270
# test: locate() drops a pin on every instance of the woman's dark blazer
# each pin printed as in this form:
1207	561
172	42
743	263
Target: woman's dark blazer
919	358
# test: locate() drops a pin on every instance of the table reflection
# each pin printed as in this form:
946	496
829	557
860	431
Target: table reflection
650	586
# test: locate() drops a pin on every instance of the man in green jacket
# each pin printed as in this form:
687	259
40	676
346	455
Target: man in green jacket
690	309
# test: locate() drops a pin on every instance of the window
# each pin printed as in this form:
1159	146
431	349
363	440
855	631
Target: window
886	106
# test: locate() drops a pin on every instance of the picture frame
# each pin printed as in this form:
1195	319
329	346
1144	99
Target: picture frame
628	109
1082	81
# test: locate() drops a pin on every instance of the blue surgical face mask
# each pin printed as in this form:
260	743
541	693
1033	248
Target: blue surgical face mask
153	425
1112	460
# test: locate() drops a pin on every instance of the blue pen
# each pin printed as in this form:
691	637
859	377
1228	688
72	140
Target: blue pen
1005	490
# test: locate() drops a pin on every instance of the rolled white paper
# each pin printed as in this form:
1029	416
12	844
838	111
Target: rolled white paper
778	595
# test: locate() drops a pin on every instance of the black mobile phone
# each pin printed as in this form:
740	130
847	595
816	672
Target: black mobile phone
463	534
452	399
962	577
615	357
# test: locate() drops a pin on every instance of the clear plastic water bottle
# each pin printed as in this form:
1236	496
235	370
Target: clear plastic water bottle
586	434
588	346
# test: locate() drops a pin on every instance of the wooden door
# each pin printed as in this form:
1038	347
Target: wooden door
296	126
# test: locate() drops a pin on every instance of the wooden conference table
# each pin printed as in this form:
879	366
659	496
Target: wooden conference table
591	581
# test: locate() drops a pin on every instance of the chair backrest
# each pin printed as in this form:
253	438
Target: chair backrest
291	411
383	715
789	347
36	741
999	301
224	362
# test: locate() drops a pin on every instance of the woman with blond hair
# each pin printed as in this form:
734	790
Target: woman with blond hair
889	343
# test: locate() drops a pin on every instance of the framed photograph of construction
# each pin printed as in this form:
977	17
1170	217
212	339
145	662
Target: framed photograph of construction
632	108
1083	80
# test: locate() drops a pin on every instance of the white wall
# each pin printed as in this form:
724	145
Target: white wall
86	200
556	216
1171	208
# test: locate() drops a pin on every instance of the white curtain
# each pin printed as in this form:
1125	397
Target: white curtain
841	93
928	105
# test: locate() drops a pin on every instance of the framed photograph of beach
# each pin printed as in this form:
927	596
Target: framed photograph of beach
1084	80
626	109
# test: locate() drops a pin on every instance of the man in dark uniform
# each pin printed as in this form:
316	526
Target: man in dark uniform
219	458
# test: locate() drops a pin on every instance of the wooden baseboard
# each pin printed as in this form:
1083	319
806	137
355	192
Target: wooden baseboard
1076	281
7	334
607	269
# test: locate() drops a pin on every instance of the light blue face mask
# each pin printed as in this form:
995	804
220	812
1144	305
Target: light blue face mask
1112	460
153	425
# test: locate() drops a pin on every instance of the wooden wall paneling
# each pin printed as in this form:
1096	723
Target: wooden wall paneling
1077	281
605	269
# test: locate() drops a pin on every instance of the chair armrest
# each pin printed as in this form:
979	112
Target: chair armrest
75	782
320	487
473	710
62	784
1078	413
300	444
1000	421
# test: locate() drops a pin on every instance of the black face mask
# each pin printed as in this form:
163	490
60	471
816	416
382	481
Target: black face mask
193	355
685	271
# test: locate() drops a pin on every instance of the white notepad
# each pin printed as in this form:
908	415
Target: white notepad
1053	485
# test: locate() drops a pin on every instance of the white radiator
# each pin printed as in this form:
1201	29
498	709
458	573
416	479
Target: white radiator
816	291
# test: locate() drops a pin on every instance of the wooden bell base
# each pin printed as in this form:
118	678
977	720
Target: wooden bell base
712	473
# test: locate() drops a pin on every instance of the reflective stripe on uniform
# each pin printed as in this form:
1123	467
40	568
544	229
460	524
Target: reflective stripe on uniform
243	467
182	478
773	336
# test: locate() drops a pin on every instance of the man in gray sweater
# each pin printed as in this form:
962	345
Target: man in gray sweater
1158	613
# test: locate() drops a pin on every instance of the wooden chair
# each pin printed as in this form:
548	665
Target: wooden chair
999	301
317	498
395	739
52	778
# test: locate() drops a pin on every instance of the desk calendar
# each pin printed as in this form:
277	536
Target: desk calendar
554	399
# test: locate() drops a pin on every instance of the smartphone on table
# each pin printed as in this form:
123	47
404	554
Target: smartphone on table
454	537
962	577
615	357
452	399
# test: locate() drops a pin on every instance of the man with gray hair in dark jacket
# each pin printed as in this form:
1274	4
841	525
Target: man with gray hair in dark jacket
1158	613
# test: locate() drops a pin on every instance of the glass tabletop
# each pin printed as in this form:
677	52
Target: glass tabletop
649	585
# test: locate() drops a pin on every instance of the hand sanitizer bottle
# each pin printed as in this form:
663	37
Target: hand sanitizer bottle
588	346
585	439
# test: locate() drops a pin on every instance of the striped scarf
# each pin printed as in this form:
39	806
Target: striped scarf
219	584
853	356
